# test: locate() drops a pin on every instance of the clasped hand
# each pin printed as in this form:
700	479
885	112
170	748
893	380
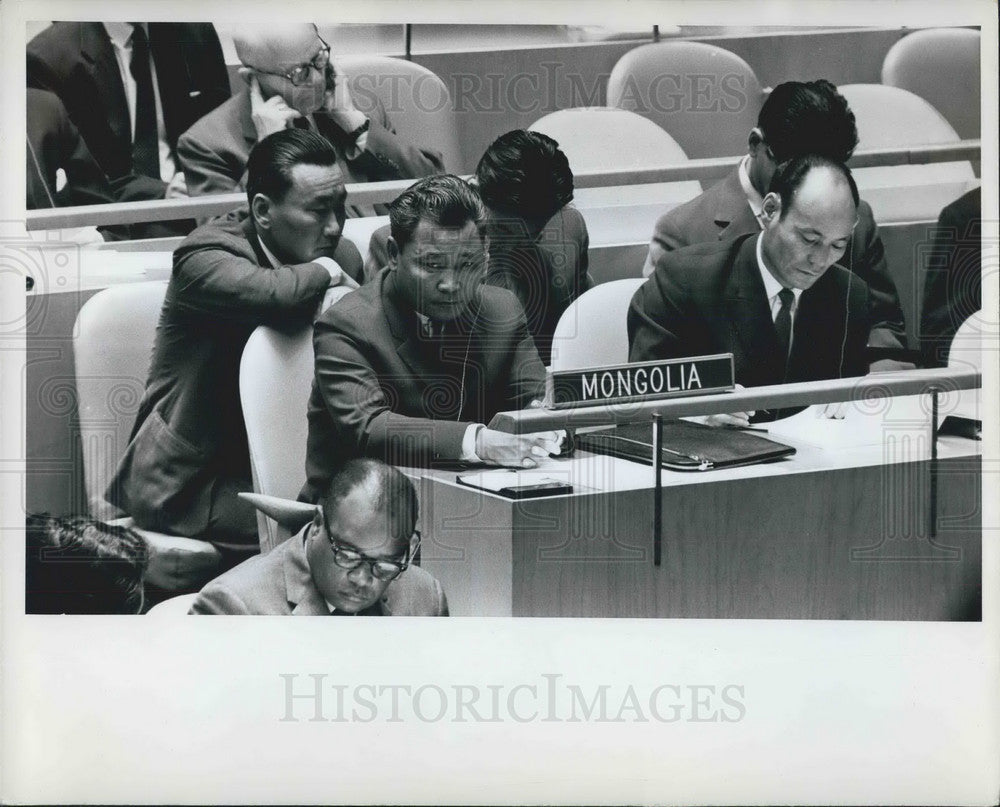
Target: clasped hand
517	450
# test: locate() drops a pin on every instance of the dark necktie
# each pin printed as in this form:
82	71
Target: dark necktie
783	322
145	142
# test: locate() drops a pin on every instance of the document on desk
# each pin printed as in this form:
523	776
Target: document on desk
864	423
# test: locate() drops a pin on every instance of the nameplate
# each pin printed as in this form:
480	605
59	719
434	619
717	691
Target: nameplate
642	381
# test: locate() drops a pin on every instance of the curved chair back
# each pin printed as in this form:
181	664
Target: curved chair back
417	101
604	138
706	97
112	348
965	353
890	117
941	65
592	330
276	375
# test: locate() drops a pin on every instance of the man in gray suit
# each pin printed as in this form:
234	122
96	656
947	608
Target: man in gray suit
352	559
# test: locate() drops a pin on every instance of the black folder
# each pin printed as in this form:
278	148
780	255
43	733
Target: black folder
686	446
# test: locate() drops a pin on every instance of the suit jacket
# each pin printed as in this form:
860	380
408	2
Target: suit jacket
214	151
953	285
189	431
546	273
280	583
76	61
53	142
710	298
722	213
383	390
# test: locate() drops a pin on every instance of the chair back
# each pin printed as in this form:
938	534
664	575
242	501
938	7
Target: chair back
112	349
966	353
941	65
706	97
592	331
416	100
889	117
606	139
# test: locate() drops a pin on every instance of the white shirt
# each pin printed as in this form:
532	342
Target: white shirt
121	41
772	288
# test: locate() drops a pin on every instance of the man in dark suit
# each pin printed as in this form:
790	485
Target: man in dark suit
777	301
292	82
953	284
798	118
353	559
53	143
411	365
132	89
538	244
188	456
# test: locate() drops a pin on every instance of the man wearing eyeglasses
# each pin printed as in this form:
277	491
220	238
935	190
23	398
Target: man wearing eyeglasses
292	81
353	559
798	118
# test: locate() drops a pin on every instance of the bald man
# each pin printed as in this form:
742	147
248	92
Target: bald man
776	300
292	81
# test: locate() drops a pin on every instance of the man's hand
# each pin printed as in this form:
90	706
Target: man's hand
177	187
268	116
730	420
338	102
515	450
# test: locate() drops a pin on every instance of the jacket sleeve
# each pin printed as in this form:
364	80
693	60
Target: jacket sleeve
206	170
216	599
868	262
666	238
215	281
360	406
526	381
387	155
654	317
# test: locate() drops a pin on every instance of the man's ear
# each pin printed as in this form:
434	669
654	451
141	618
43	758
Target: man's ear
245	73
260	208
771	207
755	140
392	251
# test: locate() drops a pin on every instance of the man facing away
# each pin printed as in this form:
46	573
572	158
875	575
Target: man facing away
353	559
188	457
411	366
798	118
292	82
777	300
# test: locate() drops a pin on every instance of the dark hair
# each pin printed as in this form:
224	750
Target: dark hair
444	200
78	565
269	167
790	175
388	490
808	118
525	173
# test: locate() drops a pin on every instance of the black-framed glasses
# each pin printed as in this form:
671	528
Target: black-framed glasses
301	74
348	557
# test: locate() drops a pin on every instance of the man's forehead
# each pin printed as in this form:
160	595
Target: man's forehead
290	45
324	180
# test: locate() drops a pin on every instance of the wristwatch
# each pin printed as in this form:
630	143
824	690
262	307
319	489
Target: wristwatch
356	133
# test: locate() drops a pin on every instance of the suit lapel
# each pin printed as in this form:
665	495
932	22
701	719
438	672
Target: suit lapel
732	213
751	321
98	53
303	596
404	326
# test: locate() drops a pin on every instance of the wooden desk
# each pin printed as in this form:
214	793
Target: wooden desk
826	534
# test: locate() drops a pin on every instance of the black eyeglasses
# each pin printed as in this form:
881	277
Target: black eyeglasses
347	557
301	74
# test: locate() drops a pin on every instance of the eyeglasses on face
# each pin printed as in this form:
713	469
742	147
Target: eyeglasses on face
301	74
348	557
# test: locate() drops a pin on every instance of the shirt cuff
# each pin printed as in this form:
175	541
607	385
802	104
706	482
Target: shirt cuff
469	443
331	266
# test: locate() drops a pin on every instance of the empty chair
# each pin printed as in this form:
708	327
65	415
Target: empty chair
941	65
417	101
112	348
606	139
706	97
592	332
888	117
